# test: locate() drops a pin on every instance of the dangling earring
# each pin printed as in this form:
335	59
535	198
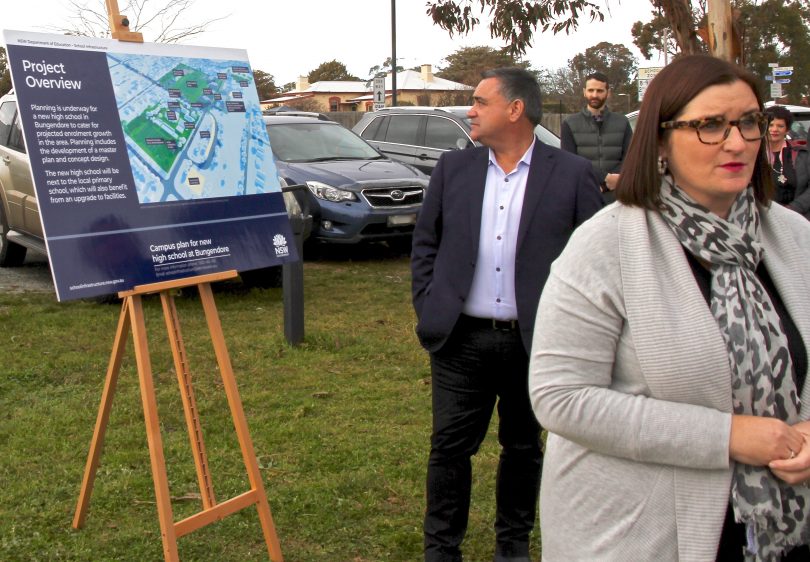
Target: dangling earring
662	165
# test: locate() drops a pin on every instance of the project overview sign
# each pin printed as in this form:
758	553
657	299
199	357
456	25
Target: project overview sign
150	162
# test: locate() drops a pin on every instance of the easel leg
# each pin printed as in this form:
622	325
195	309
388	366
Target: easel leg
240	422
181	366
153	437
103	417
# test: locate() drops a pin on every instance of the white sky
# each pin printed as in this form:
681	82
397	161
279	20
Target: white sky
291	38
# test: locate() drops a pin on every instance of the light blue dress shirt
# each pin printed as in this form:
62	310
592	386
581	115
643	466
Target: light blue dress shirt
492	294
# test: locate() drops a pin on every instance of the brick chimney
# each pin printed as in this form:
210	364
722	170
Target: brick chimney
427	73
302	84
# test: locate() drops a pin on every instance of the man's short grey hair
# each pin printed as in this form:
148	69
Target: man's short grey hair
518	83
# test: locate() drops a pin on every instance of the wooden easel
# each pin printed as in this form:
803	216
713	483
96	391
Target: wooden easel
132	317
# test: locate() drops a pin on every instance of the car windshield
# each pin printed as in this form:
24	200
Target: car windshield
317	142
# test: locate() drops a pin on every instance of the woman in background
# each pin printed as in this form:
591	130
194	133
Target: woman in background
670	348
790	163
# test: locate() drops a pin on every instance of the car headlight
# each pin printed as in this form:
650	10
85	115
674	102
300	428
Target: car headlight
329	193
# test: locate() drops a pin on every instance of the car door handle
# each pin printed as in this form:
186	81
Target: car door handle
6	159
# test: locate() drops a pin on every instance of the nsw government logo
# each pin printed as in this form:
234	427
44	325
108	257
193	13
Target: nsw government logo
281	246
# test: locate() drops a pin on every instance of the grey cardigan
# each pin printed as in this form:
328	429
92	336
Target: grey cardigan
630	376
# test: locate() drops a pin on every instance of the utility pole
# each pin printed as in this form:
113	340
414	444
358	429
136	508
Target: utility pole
393	53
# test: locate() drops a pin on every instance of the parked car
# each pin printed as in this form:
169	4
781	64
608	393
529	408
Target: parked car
20	225
419	135
798	131
354	193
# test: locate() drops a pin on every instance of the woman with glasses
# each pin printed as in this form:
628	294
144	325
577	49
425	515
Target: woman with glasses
790	163
671	345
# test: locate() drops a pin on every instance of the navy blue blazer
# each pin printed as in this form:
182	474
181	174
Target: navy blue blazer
561	193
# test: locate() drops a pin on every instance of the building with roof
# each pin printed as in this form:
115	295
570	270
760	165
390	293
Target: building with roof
413	88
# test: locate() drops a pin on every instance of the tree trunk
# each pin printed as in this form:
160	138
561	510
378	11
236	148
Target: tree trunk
679	14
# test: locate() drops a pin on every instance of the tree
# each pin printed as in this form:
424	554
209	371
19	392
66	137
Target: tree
614	60
160	22
777	31
770	31
5	75
265	84
377	71
564	85
515	21
332	70
466	64
561	89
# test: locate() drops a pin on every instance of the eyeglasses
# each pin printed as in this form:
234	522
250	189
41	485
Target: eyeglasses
714	130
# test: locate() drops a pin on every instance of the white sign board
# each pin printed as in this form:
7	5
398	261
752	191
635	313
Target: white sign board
379	92
776	90
645	76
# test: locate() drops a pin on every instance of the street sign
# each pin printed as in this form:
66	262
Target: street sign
777	72
778	69
645	76
781	80
773	64
776	91
769	78
379	92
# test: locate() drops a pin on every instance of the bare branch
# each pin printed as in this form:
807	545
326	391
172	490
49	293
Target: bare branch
157	20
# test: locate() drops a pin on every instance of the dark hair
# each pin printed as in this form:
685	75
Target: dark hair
598	76
518	83
669	92
780	112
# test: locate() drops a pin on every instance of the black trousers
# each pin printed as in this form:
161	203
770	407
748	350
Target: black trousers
478	366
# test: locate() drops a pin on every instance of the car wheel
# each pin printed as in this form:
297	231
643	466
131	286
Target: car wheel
263	278
11	254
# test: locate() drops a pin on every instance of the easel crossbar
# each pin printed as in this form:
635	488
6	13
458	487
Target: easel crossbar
216	513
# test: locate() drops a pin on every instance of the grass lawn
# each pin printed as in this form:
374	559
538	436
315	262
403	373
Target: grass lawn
340	426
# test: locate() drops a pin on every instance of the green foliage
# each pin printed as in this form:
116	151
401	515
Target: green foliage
778	31
564	85
466	64
612	59
382	70
770	31
340	426
331	70
265	84
514	21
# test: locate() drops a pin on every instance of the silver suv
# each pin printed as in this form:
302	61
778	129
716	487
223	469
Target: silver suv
419	135
20	227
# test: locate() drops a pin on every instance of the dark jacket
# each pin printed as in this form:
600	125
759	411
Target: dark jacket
605	144
561	193
801	163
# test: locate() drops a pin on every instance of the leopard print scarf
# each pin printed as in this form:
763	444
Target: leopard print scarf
774	512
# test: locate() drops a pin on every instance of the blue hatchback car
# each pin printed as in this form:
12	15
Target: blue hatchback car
354	193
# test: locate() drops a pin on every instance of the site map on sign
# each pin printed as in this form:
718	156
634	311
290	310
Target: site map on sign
193	128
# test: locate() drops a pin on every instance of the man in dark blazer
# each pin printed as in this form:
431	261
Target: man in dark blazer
493	220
